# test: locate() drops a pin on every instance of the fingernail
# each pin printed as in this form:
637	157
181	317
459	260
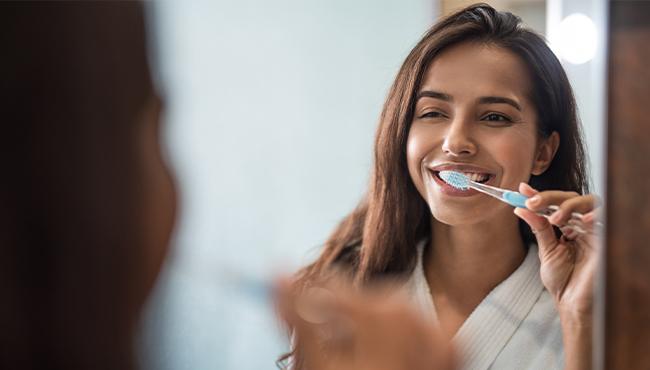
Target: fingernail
535	199
527	185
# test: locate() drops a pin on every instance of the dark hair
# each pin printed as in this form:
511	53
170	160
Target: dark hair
378	237
73	78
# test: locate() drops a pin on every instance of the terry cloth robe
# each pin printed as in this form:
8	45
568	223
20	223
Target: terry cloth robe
515	327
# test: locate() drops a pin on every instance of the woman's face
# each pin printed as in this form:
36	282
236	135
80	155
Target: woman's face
473	115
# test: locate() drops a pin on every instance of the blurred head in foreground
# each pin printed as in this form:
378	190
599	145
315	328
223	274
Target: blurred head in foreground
87	203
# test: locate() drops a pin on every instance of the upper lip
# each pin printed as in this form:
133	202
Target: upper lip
460	167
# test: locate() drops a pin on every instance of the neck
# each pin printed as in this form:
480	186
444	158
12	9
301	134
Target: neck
465	262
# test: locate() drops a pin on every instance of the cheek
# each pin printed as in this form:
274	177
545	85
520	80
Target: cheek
418	145
515	154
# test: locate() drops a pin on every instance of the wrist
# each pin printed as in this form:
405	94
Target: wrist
577	337
576	319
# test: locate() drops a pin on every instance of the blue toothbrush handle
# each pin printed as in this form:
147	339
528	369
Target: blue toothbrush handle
519	200
515	199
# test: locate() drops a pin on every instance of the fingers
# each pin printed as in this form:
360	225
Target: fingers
592	217
304	332
527	190
371	329
390	334
310	341
590	223
543	230
548	198
568	204
577	204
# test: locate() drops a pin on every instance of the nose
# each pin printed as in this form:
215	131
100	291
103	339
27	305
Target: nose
458	141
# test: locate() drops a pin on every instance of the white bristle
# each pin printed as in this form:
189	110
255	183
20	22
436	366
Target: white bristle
455	179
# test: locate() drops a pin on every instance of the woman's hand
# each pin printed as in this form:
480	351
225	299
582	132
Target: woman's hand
366	331
568	263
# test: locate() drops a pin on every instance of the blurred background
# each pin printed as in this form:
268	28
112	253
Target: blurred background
270	115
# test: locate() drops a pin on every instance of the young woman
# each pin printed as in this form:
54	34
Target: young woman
482	95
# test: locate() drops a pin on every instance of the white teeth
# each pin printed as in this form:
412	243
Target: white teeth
478	177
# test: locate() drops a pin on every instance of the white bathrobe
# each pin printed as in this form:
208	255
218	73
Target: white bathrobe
515	327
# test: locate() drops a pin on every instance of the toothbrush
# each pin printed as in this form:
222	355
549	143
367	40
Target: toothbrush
513	198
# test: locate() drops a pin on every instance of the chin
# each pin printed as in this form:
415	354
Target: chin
457	217
470	212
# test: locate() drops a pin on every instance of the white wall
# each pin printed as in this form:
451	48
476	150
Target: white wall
271	111
588	81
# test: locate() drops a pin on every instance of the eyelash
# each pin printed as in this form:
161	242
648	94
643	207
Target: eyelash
502	118
428	114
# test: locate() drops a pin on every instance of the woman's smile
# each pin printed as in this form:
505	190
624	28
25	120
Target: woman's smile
474	173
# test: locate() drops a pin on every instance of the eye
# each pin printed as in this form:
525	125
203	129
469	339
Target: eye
497	118
431	114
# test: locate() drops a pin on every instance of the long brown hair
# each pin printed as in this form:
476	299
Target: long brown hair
379	237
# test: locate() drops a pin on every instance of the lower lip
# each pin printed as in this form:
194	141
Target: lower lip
450	190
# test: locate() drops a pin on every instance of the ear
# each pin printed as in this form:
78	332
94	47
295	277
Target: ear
545	153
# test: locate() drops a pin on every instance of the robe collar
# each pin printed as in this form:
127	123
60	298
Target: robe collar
490	326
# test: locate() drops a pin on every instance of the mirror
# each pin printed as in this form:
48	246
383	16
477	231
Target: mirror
271	111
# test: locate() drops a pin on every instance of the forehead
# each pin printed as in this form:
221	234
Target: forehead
474	69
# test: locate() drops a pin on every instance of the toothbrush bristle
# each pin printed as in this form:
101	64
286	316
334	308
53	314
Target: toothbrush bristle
455	179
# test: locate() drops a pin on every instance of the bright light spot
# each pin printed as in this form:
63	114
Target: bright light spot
575	40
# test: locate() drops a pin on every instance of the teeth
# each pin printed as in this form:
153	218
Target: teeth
478	177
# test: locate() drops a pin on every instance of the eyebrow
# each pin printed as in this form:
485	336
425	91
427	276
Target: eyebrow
499	100
433	94
481	100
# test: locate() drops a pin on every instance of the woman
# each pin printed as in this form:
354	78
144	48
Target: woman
482	95
87	201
